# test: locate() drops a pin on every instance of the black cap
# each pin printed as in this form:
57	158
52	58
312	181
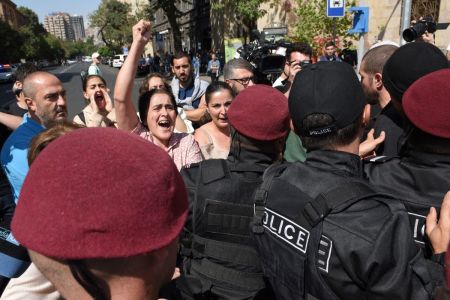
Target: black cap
326	88
408	63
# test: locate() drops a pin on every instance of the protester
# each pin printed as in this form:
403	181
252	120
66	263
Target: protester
330	53
213	68
11	116
157	81
93	68
43	139
308	215
89	252
219	259
188	90
388	119
45	97
214	137
98	111
157	108
196	64
238	73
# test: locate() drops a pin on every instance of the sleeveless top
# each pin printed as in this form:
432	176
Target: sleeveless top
211	150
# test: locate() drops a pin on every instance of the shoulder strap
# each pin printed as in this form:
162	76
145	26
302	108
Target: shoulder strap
261	196
82	118
315	211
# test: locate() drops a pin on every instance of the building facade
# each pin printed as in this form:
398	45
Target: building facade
65	27
194	23
9	14
78	27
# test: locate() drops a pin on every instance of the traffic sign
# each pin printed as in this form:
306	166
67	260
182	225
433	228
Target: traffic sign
335	8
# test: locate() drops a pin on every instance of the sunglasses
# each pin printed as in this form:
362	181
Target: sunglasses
244	81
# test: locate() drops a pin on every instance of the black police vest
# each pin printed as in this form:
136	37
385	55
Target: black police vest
289	237
419	180
220	250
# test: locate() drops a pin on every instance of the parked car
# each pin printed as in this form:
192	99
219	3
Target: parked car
71	61
143	68
43	63
118	60
6	73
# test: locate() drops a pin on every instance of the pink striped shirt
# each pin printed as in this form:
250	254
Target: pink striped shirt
183	149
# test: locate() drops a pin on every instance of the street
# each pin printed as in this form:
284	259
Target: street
70	77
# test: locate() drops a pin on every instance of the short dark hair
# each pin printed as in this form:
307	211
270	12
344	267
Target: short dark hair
85	81
179	55
341	137
24	70
216	87
145	99
375	59
330	43
301	47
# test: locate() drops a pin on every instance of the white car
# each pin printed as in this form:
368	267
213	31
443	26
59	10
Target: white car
118	60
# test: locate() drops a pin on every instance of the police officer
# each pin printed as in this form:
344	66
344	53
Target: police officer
219	259
321	230
422	175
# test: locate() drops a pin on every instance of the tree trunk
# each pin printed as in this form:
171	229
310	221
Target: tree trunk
176	34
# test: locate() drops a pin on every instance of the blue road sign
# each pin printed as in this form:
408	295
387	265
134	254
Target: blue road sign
335	8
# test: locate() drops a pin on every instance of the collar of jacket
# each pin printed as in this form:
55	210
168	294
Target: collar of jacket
338	162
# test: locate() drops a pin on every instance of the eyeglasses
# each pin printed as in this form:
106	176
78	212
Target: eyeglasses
244	81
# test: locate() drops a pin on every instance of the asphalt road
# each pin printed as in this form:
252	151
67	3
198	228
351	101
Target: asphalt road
70	77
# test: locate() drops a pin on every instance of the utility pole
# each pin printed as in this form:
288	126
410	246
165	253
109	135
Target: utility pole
406	18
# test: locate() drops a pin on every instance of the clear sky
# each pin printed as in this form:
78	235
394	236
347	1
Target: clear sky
73	7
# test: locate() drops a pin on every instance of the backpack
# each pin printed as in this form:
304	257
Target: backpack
84	74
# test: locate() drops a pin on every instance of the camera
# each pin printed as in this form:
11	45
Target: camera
427	24
261	54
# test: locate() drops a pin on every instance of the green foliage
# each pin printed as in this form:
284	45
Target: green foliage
10	52
249	9
314	27
114	22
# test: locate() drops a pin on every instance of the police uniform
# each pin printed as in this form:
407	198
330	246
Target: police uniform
321	230
219	256
419	179
362	250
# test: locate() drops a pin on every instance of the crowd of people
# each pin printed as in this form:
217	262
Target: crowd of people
322	186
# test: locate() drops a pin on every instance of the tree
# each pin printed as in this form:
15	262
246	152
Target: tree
10	51
34	45
170	9
247	11
314	27
115	22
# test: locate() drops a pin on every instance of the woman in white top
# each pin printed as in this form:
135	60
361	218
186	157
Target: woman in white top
99	111
214	137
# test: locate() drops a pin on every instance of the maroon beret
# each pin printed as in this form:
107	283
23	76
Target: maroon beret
260	112
100	193
427	103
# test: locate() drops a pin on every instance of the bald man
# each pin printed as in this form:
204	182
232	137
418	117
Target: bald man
45	98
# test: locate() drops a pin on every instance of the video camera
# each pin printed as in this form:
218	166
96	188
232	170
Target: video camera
261	54
427	24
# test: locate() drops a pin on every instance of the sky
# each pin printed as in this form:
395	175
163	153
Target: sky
73	7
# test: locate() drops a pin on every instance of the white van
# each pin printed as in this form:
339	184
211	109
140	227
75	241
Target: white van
118	60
